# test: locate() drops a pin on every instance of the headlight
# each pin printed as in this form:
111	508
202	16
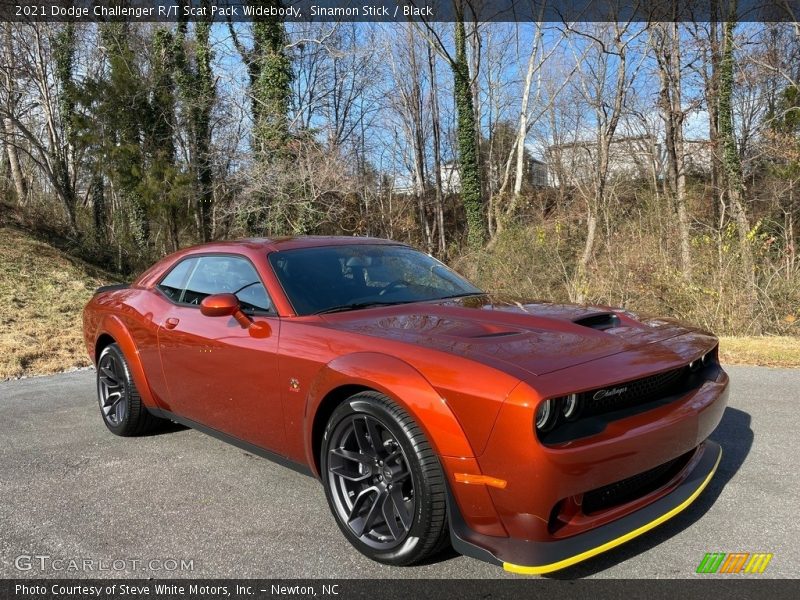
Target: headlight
570	406
703	361
546	415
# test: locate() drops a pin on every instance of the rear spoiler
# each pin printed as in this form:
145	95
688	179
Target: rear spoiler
111	288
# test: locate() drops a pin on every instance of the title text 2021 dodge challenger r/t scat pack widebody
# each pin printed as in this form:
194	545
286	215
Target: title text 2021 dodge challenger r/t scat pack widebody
531	435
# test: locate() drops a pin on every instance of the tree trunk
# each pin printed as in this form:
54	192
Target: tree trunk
668	57
712	101
437	154
470	175
503	214
99	209
198	91
20	185
732	163
418	140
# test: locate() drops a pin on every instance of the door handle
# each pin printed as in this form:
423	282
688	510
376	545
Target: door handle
171	323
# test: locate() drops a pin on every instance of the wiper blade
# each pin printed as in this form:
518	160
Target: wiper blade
464	295
357	306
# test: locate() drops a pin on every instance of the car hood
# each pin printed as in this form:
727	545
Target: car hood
538	337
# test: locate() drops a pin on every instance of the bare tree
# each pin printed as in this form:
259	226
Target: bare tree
10	100
731	158
37	130
604	78
666	42
407	74
437	152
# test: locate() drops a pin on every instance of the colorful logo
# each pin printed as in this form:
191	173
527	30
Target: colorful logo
734	562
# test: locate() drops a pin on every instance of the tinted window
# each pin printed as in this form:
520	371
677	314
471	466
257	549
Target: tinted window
227	275
173	284
342	277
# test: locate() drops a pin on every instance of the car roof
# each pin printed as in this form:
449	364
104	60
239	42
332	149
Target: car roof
275	244
307	241
250	246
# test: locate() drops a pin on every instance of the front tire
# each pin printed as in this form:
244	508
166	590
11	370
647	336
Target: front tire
121	407
383	481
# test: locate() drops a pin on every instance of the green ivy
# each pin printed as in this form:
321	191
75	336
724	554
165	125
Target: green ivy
467	144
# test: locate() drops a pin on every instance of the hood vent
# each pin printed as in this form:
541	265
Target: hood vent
599	321
494	334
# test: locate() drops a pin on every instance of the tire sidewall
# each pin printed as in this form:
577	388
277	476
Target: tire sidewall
419	526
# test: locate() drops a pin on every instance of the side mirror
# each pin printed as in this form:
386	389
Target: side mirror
227	305
219	305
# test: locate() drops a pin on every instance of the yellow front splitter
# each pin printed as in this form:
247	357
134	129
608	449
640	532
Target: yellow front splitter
567	562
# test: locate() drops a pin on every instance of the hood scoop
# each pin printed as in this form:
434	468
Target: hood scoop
599	321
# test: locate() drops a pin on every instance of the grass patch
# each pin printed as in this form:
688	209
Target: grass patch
42	292
767	351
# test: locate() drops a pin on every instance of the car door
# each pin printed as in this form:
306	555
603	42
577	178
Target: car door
218	373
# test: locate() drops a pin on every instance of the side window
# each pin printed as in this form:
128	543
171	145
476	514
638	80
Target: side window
173	284
227	275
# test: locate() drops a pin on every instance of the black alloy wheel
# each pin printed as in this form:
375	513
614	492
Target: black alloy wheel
121	407
111	389
383	481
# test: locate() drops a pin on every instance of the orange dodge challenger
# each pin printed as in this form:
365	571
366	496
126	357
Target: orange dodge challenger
531	435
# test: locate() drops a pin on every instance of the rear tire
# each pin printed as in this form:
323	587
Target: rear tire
121	406
388	497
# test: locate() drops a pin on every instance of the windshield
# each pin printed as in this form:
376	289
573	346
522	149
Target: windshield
333	278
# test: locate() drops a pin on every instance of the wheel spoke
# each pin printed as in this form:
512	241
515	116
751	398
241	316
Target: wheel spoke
343	472
109	376
390	517
365	433
111	401
119	410
368	498
373	514
400	507
356	457
374	436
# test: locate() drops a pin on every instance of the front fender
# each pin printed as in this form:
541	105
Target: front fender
404	385
112	325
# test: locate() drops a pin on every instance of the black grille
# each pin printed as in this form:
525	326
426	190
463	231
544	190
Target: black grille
634	487
634	392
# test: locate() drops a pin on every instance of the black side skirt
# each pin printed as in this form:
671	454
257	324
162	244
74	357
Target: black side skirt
234	441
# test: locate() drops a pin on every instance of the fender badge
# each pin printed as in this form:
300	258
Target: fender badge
294	385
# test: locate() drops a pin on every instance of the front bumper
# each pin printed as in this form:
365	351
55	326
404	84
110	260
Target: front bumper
540	557
550	511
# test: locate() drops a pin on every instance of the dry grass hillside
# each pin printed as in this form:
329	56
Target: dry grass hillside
43	290
42	293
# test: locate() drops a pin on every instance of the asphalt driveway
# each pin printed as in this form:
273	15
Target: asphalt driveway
69	490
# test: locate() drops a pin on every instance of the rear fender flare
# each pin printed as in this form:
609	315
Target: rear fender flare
113	326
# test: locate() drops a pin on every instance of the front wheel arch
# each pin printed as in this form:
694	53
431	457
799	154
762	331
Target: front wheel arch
398	381
324	411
